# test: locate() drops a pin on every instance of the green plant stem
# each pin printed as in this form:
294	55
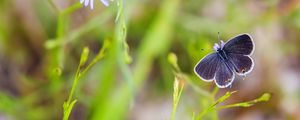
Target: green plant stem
74	85
119	57
200	116
79	74
156	42
265	97
62	17
211	107
60	32
96	59
196	87
215	91
214	112
175	103
121	31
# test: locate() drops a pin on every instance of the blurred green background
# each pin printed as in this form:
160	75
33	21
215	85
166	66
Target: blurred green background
41	43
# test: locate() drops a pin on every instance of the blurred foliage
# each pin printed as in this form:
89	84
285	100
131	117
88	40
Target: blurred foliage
41	44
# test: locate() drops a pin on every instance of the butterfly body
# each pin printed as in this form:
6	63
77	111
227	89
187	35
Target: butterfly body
230	58
222	55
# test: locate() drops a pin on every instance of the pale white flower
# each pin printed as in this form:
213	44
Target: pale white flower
91	3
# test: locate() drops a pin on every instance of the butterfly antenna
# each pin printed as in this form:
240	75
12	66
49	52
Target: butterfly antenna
219	37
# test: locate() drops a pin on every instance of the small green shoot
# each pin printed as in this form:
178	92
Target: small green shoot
178	87
128	58
172	58
68	105
178	83
264	98
211	107
84	56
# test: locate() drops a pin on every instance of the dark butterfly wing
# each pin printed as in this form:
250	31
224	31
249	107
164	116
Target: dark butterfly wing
241	44
242	64
224	75
207	66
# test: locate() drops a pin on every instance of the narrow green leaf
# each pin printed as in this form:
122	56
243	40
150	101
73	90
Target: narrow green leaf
265	97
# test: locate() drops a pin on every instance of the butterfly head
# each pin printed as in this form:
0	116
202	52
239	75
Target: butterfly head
219	46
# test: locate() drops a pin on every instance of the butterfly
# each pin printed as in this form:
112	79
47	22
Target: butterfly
229	59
